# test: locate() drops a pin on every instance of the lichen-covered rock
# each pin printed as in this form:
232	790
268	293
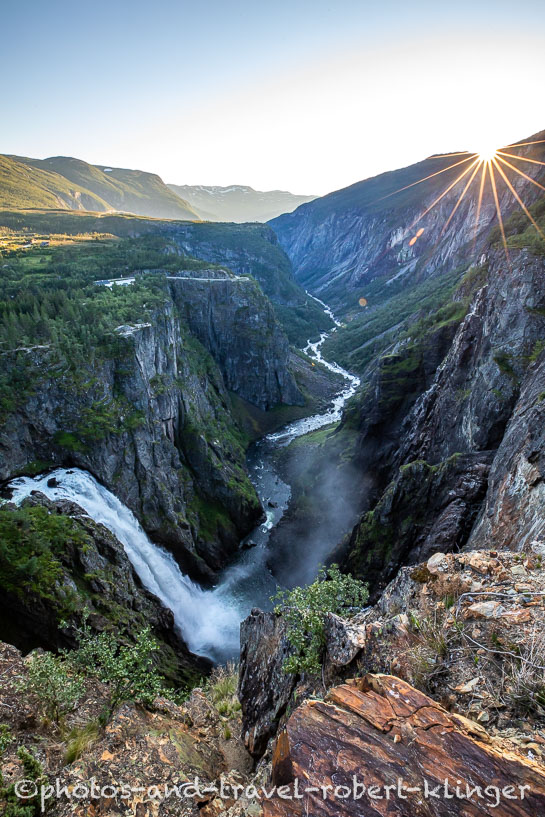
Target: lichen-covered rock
344	639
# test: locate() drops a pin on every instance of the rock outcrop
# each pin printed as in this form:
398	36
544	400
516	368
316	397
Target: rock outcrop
474	418
264	688
408	754
466	628
426	508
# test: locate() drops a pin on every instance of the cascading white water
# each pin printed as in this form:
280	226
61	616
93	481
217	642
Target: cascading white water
207	619
334	414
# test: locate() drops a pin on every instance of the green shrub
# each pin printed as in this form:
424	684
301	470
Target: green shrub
305	609
128	669
504	364
54	686
31	542
10	804
6	738
535	354
221	689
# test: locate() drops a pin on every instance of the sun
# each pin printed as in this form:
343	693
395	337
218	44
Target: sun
487	153
489	164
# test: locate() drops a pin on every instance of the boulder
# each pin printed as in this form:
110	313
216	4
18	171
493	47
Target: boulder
344	638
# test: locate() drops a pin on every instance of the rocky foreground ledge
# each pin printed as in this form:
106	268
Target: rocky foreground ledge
377	746
441	680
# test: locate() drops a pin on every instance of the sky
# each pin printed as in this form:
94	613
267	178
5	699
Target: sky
299	95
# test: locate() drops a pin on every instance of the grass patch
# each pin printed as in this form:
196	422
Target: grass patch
221	690
80	739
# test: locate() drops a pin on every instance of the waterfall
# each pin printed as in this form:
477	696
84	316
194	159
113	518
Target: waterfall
208	620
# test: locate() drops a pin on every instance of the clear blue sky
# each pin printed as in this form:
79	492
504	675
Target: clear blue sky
306	96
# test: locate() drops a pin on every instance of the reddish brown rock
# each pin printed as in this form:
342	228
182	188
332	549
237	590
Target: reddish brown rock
382	732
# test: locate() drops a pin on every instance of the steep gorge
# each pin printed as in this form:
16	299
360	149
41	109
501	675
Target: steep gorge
440	455
448	342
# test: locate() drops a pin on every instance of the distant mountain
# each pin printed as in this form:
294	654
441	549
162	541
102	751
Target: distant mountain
72	184
238	202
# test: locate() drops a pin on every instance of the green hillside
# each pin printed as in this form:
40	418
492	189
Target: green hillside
23	186
71	184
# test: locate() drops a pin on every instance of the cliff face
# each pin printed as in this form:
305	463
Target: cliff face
465	424
152	421
476	386
349	241
233	320
247	249
512	514
253	250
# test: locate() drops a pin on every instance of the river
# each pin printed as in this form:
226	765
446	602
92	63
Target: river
208	619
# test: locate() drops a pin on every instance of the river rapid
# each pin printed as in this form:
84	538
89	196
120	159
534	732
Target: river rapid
208	619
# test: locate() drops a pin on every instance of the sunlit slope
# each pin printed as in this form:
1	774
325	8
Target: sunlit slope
23	186
72	184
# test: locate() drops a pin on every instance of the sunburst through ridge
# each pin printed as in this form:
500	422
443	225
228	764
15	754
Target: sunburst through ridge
475	169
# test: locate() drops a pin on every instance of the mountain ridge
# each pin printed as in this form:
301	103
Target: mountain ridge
357	240
73	184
